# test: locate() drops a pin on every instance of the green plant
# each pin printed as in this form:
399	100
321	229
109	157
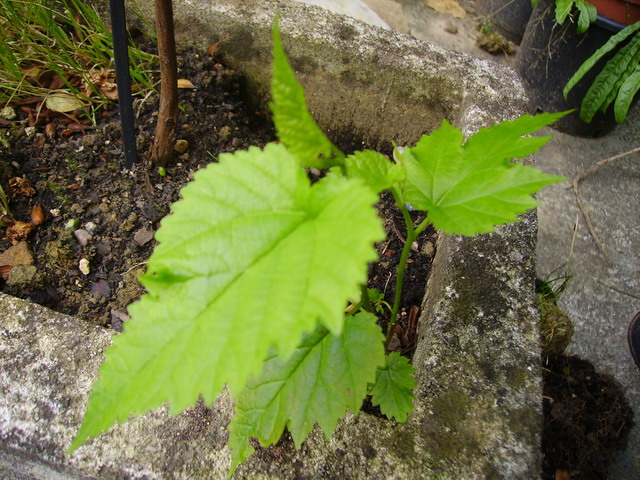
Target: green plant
378	303
618	80
57	191
586	13
556	328
62	44
253	294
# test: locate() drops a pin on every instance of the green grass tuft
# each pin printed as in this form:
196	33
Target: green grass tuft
61	46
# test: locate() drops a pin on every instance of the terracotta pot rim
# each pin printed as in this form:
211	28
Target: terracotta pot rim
625	12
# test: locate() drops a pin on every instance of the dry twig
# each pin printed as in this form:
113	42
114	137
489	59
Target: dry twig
581	177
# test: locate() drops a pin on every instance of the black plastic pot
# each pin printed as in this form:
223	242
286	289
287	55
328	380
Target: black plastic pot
507	17
549	55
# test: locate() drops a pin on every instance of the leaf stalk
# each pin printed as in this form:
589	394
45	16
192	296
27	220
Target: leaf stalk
412	234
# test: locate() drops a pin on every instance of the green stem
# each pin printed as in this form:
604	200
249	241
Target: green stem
356	308
412	234
400	270
365	300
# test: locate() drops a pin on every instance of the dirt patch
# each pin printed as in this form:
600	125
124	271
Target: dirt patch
99	218
586	418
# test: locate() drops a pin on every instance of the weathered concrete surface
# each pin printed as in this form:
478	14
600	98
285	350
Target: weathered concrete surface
603	295
477	410
384	85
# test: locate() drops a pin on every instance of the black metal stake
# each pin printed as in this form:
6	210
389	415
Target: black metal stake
123	80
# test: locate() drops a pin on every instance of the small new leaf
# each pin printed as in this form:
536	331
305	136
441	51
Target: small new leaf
471	187
393	389
252	257
295	126
326	376
374	169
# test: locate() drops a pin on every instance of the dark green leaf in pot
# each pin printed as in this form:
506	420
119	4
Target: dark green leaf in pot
589	63
627	92
607	79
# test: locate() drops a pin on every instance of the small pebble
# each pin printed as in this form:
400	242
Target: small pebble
72	224
83	237
225	132
451	28
89	140
84	266
8	113
428	249
142	236
181	146
90	227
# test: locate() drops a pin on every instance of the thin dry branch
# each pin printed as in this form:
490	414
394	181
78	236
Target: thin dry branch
581	177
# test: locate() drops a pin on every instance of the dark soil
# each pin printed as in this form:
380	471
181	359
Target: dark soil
586	418
99	213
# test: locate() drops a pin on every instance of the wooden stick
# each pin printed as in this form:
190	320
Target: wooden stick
165	139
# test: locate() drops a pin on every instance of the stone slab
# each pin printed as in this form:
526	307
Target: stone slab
603	294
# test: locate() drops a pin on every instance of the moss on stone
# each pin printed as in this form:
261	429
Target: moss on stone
451	407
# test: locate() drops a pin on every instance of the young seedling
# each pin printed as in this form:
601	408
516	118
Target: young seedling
253	294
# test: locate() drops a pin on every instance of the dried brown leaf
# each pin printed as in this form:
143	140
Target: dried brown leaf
19	231
105	81
55	83
39	140
21	186
4	271
214	46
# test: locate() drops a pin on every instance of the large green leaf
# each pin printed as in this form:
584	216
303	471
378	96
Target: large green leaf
471	187
251	257
326	376
295	126
393	389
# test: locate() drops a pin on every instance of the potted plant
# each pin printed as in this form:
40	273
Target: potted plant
477	356
553	50
618	81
